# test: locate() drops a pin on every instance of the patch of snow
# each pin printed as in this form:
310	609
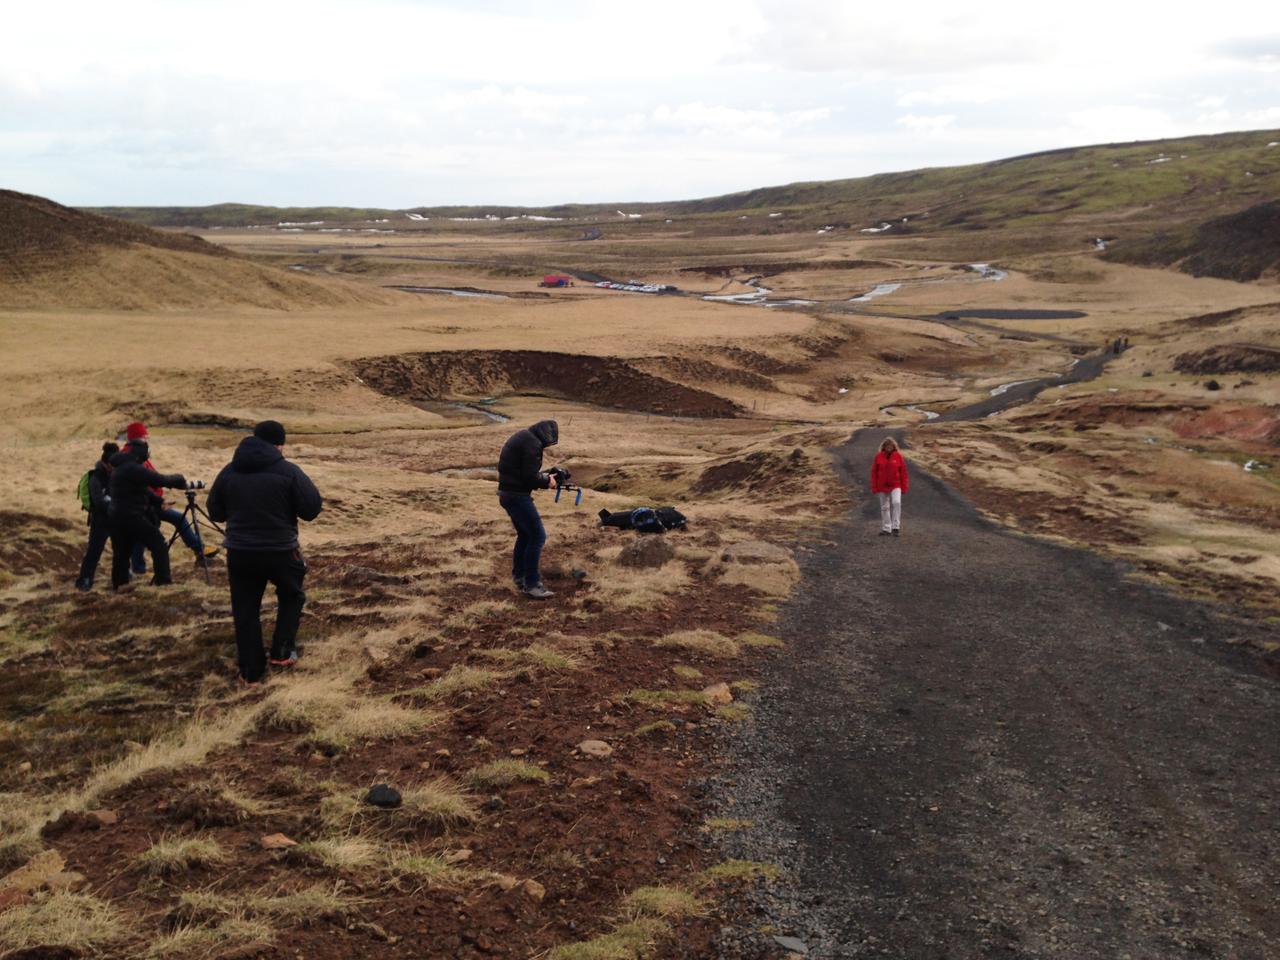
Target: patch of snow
416	216
1255	465
1273	143
532	216
843	390
987	271
879	290
1005	386
880	229
1158	160
1099	244
791	303
309	223
778	214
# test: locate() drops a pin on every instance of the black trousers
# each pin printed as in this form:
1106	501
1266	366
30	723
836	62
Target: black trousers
99	534
249	572
125	532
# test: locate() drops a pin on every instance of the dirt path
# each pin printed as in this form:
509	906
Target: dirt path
983	745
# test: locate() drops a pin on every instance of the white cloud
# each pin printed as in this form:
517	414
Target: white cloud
927	126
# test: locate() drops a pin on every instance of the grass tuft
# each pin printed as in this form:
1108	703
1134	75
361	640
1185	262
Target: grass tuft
631	941
661	698
740	870
230	936
460	679
658	726
666	902
505	773
706	642
172	856
535	655
735	712
344	854
685	672
75	921
437	804
759	640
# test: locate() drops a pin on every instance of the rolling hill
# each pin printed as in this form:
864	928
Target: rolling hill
55	256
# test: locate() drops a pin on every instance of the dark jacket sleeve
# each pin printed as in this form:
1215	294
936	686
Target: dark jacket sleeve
154	479
98	496
307	502
216	502
531	464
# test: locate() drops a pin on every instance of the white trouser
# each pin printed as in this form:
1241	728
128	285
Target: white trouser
891	509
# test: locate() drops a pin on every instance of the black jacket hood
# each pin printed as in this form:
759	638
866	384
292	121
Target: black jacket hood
255	454
547	432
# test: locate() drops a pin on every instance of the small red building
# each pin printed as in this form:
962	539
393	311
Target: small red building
556	280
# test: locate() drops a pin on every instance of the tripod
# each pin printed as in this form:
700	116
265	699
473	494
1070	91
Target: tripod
192	514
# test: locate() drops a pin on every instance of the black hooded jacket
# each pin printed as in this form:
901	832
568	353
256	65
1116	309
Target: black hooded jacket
261	496
520	463
131	483
100	491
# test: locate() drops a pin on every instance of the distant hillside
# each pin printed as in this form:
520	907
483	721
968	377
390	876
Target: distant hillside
1153	195
1239	246
55	256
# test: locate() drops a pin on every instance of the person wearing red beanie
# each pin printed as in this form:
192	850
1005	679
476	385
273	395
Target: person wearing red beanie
137	432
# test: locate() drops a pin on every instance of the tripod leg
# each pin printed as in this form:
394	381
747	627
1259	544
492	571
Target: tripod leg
201	558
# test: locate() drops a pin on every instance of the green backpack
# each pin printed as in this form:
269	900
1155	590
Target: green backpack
82	491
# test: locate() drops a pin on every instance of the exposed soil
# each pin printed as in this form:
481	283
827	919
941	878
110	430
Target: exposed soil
1230	358
984	745
604	381
579	836
767	269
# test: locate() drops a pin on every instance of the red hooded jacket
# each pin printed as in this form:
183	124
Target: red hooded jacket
888	470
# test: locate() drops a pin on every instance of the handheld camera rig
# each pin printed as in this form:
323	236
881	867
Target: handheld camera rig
562	484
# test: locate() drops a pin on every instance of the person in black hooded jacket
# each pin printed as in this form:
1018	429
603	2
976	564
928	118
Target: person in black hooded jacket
519	474
99	516
134	513
261	496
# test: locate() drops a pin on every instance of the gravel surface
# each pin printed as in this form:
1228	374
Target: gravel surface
978	744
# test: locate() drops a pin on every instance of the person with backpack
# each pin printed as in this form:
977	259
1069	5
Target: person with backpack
95	498
133	511
135	432
261	496
889	481
519	474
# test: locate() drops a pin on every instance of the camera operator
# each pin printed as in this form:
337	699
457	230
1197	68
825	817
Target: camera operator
261	496
134	513
519	474
135	432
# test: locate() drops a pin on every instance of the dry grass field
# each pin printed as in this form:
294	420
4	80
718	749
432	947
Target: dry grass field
138	782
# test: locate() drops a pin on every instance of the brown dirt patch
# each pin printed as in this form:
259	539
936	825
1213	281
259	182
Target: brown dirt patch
1230	358
604	381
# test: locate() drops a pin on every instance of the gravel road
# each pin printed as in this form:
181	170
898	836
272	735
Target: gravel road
979	744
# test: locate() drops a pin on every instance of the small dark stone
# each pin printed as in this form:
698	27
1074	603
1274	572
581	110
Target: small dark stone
1213	385
1146	373
578	573
383	795
493	803
423	650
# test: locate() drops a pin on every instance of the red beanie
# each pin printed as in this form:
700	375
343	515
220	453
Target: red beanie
135	431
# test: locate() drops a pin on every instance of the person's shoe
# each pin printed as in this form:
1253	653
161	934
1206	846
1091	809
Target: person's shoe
244	682
519	582
84	586
538	592
157	582
897	533
884	533
288	660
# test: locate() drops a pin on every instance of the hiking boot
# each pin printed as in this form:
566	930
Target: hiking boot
288	660
537	592
885	533
244	682
519	582
897	533
84	586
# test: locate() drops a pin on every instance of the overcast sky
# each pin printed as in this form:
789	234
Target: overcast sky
403	103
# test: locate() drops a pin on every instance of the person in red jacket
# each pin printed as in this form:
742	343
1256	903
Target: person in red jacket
889	480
